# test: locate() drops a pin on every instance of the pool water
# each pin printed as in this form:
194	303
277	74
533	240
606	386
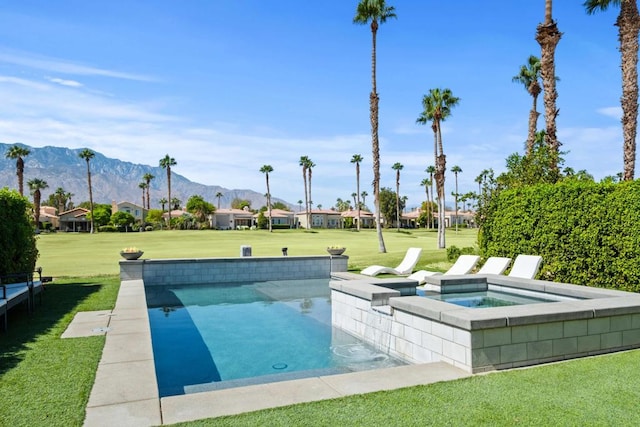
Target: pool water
486	299
209	337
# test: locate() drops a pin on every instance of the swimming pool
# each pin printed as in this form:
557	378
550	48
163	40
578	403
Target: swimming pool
209	337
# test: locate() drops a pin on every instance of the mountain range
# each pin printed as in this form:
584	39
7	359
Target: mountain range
111	179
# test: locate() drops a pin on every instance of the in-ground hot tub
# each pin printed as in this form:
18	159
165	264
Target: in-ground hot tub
582	321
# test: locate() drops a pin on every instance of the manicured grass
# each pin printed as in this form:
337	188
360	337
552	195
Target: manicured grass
597	391
45	380
82	254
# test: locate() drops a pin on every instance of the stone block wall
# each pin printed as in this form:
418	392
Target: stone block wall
229	270
420	330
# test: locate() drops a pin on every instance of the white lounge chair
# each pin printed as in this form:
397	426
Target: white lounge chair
495	265
463	265
526	266
406	266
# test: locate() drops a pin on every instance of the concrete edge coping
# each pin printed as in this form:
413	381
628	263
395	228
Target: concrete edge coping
377	295
455	279
216	260
558	288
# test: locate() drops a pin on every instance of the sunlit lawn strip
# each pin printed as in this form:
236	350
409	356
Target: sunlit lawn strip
83	254
591	391
46	380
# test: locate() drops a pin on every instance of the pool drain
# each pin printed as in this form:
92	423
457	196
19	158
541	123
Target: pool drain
280	366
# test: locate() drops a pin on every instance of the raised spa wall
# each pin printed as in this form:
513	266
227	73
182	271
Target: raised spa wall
419	330
189	271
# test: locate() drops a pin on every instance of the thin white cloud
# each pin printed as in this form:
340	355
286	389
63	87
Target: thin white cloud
614	112
63	82
63	66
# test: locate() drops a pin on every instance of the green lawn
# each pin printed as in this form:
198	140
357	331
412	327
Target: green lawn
46	381
81	254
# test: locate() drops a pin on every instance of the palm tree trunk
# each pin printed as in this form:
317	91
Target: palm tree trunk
548	37
90	195
533	124
36	208
169	194
310	199
20	173
306	198
358	193
398	200
375	144
269	203
628	23
441	166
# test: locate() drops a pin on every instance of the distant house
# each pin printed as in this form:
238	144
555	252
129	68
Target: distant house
279	217
48	215
366	218
176	213
74	220
231	219
138	212
320	218
467	218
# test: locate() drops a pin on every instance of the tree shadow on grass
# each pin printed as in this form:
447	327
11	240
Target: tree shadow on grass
58	301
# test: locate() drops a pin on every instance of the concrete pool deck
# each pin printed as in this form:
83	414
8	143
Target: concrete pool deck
125	391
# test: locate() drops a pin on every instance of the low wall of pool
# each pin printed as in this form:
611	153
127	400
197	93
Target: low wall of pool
184	271
420	330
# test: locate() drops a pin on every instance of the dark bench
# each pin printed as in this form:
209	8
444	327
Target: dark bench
16	289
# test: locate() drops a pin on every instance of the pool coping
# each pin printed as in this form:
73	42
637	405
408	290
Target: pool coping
125	391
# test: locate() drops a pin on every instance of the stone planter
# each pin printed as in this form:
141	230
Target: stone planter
131	255
336	251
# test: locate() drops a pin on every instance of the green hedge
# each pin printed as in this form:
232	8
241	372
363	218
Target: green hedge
18	252
587	233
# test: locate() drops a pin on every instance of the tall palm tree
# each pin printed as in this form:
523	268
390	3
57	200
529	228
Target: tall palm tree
165	163
87	155
375	12
310	166
456	170
364	195
397	167
266	170
60	198
437	108
299	205
628	23
529	76
143	186
35	185
548	36
17	153
426	183
219	196
163	202
431	170
147	179
357	159
304	162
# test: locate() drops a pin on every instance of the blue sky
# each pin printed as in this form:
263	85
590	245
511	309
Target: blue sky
225	87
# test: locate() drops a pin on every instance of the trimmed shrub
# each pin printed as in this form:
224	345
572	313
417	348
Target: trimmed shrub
454	252
587	233
107	229
18	252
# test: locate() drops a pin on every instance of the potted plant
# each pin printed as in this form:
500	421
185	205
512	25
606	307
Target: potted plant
336	249
131	253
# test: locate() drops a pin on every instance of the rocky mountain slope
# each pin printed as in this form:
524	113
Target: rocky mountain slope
112	179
